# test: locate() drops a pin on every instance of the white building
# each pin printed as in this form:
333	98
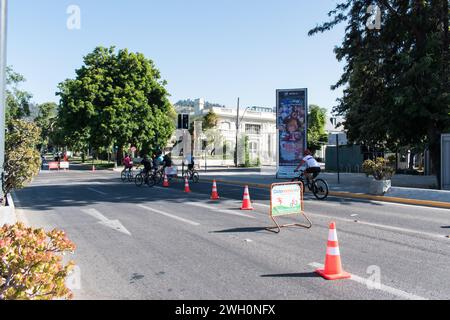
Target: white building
256	123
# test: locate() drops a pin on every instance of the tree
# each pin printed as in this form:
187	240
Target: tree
17	101
22	160
396	78
46	121
210	120
116	99
317	137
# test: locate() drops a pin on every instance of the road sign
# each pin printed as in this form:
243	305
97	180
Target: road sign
65	165
287	199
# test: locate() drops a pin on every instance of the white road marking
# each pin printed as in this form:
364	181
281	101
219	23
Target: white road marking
381	226
215	209
376	286
113	224
97	191
196	224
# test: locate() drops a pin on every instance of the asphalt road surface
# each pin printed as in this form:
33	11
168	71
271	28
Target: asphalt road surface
163	244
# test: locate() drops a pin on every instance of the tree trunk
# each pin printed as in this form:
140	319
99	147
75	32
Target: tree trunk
435	152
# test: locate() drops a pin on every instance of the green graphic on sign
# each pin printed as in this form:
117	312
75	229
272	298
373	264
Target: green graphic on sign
286	199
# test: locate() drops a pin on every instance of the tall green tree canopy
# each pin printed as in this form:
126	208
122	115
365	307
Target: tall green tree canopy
317	137
396	78
46	121
117	98
17	101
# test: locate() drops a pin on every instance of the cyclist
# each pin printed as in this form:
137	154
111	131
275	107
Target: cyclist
312	166
147	167
128	163
191	162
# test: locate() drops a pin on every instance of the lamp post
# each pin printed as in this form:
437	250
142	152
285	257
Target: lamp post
3	26
238	124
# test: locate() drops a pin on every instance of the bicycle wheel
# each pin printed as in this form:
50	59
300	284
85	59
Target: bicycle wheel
151	182
139	180
123	176
195	177
320	189
130	176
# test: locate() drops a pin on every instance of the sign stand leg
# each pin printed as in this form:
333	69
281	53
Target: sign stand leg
277	228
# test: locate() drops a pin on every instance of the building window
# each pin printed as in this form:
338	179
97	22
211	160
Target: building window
253	147
253	129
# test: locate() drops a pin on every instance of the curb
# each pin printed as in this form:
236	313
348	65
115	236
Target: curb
362	196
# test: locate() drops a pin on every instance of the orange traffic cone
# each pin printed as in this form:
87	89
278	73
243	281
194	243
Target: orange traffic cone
166	181
187	189
246	204
215	193
333	267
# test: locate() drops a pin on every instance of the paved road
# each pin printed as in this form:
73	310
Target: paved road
163	244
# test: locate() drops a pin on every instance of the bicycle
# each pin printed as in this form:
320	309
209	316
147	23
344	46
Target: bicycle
127	175
318	187
192	175
149	179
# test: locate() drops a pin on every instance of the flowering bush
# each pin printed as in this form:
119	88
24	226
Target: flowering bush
379	169
31	265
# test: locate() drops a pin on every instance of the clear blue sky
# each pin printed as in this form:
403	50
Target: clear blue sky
216	49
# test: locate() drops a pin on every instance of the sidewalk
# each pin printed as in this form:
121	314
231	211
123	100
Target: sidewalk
351	185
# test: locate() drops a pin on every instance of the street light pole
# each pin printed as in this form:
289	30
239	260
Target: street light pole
3	26
237	135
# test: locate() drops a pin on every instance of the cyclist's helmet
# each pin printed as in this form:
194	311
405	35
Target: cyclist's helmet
307	152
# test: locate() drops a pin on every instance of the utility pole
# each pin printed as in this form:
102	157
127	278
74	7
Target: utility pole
237	135
3	26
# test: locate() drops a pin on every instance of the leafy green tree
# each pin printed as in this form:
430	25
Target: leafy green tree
46	121
17	101
210	121
22	159
116	99
396	78
317	137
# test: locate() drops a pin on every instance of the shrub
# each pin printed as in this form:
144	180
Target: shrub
31	265
379	169
22	159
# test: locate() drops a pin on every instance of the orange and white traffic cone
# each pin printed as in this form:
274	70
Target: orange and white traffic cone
215	193
246	203
166	182
187	189
333	266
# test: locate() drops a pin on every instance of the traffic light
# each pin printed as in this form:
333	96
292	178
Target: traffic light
183	121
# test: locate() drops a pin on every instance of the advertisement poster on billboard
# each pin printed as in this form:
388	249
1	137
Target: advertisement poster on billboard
292	115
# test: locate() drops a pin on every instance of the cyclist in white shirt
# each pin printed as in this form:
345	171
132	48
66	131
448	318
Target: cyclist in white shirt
311	164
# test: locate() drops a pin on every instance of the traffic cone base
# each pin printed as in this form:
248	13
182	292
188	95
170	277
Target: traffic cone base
341	276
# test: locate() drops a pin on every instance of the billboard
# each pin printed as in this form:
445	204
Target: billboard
292	115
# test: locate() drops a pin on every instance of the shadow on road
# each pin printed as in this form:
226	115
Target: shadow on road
241	230
292	275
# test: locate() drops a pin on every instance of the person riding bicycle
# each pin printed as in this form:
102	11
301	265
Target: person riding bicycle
147	167
312	166
191	162
128	163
